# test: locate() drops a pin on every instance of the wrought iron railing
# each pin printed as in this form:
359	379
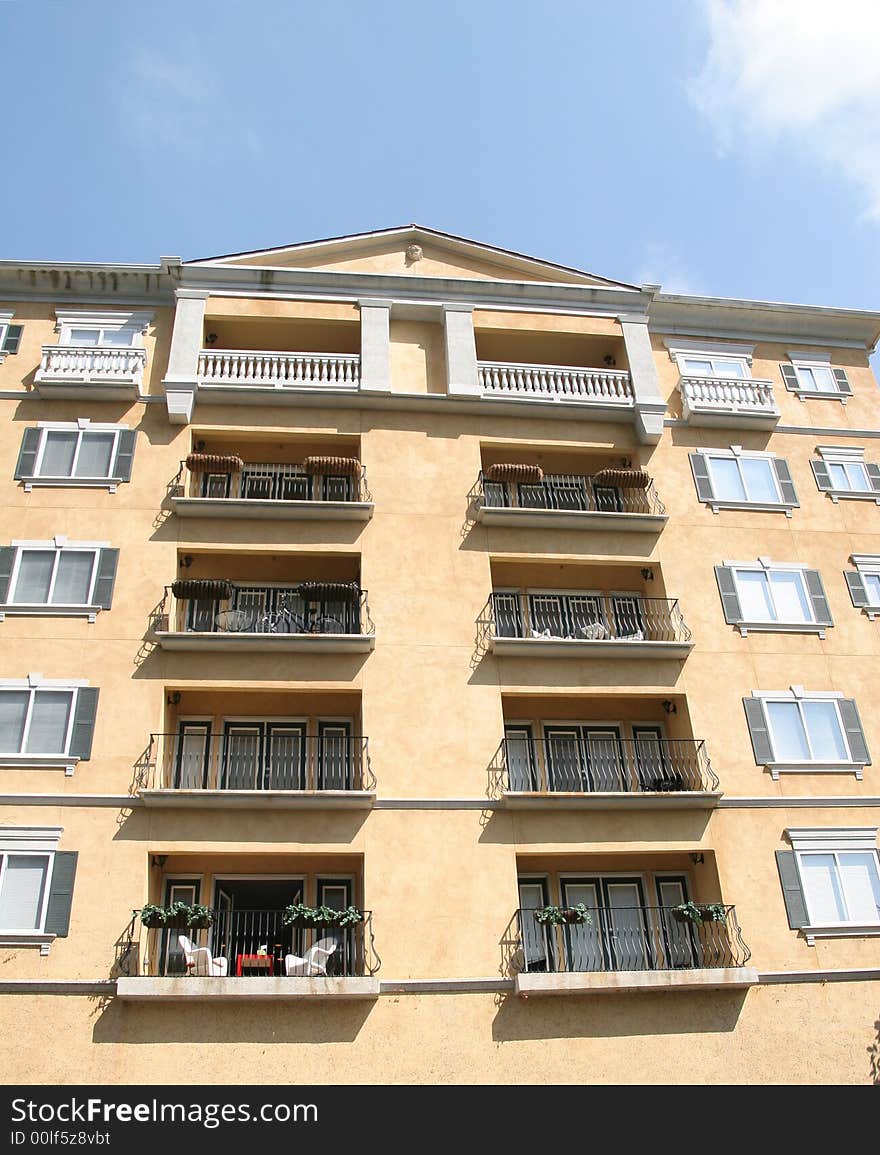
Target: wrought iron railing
556	382
252	944
584	617
257	756
630	938
268	481
575	493
251	367
253	609
575	762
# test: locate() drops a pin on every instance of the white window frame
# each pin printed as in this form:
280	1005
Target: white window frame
827	765
57	759
737	453
711	351
80	426
765	565
132	322
868	565
30	842
847	455
815	359
830	840
59	545
6	316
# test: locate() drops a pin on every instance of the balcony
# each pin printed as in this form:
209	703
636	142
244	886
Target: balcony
280	370
99	373
630	948
251	955
734	402
258	764
578	623
519	495
312	616
578	766
512	381
322	487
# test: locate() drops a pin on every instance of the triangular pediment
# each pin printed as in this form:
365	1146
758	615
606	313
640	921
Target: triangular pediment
411	250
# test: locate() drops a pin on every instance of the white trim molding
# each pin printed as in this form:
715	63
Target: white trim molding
694	346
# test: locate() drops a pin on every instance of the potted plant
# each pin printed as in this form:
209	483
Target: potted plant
300	915
713	912
561	915
177	916
687	912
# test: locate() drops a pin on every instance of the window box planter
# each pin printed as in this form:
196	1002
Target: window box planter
563	915
178	917
298	915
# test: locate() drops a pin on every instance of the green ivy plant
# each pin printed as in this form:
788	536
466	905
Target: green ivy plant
562	915
321	915
713	912
194	914
689	911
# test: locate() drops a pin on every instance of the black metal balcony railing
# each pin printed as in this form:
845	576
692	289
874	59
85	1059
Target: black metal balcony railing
264	756
253	943
574	493
582	617
254	609
630	938
570	762
268	481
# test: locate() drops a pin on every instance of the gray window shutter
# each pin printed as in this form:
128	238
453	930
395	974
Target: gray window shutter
700	469
27	457
790	377
729	596
7	561
855	735
84	722
758	731
61	893
12	339
783	476
840	380
795	904
823	477
873	472
857	590
106	579
816	590
124	455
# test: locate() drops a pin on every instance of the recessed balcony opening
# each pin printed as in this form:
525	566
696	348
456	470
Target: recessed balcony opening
239	749
552	609
276	352
554	366
242	601
601	752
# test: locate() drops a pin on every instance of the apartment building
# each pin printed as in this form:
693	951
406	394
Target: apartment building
424	663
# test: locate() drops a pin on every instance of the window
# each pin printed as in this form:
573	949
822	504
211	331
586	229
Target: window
831	881
10	336
90	328
800	731
711	358
46	723
864	583
713	367
812	375
76	454
101	335
57	575
841	471
36	886
734	479
764	595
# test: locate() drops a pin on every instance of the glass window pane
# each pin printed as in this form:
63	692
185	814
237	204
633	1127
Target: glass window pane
74	578
726	481
760	479
787	732
790	596
84	336
117	337
34	575
58	454
824	900
805	377
839	476
861	885
48	728
94	455
823	379
21	899
823	727
872	585
754	596
697	367
729	369
13	710
858	477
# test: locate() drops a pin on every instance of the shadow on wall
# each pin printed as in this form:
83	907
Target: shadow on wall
271	1022
606	1016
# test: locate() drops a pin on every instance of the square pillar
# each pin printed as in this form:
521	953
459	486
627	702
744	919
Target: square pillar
650	408
375	346
461	351
182	375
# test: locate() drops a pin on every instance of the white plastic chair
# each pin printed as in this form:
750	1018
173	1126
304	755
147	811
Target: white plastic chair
314	962
200	961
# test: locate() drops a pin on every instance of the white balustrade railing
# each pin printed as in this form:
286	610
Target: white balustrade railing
98	363
556	382
728	394
245	367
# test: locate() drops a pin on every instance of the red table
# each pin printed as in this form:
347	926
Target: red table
265	962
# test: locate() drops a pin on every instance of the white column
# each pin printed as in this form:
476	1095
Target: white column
375	346
181	377
650	408
461	351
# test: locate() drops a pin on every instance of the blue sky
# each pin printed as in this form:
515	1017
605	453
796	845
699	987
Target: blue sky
727	147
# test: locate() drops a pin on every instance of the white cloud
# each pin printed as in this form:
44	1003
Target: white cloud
663	265
803	72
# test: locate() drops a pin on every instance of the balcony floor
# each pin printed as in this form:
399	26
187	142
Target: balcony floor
583	648
259	799
622	982
276	989
516	518
273	643
611	800
267	510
